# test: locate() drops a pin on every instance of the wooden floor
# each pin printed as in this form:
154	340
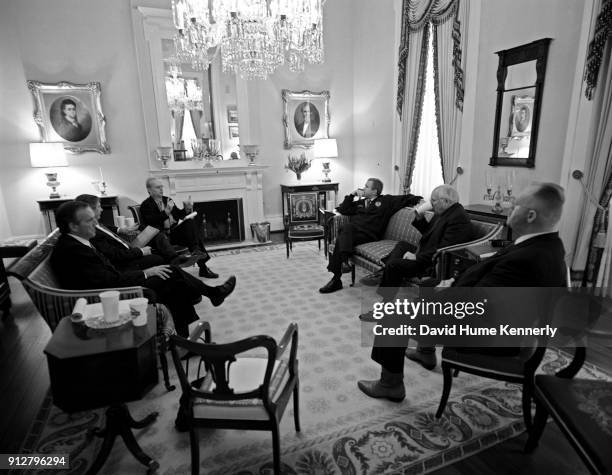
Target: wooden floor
24	382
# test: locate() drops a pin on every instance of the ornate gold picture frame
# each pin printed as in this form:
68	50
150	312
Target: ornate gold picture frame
305	117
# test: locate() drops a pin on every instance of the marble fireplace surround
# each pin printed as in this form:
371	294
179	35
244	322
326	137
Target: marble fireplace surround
229	181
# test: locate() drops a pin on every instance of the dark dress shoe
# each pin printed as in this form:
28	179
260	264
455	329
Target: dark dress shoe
207	273
331	286
185	260
368	317
223	291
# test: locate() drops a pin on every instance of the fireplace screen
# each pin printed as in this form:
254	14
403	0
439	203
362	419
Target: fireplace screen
220	221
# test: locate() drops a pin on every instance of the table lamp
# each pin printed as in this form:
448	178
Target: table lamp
325	148
47	155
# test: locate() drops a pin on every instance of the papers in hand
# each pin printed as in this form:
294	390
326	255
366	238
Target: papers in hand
144	236
410	256
189	216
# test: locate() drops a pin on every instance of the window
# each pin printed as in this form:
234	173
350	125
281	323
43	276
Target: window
427	173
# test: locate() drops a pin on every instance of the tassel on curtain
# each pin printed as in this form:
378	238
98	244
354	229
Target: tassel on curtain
416	18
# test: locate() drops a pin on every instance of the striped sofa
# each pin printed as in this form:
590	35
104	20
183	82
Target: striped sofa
54	303
369	255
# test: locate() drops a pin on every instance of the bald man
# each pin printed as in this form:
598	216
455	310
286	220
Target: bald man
535	259
449	225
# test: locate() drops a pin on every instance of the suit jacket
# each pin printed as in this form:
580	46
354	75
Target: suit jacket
453	226
372	220
152	216
113	250
78	266
537	262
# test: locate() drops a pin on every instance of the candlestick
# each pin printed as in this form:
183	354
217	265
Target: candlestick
101	176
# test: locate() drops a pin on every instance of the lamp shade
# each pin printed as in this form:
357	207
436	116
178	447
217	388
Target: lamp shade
48	154
325	148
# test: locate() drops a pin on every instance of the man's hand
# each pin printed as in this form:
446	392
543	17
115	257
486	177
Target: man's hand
169	207
446	283
422	207
358	192
128	229
409	256
163	272
146	251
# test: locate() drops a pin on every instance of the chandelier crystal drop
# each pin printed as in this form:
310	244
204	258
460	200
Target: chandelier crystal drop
254	36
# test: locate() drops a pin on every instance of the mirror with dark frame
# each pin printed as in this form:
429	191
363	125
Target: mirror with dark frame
520	80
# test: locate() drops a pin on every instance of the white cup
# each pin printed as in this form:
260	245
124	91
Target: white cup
139	305
129	222
110	305
121	221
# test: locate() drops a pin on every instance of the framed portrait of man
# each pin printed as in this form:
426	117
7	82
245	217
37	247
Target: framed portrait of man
70	113
305	117
521	116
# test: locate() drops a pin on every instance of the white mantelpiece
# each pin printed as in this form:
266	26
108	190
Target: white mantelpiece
230	180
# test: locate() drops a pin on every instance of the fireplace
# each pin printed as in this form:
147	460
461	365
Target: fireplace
220	221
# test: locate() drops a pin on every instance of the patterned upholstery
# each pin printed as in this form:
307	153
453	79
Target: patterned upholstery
369	255
38	279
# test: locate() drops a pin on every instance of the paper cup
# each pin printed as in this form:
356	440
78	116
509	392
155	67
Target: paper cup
139	306
110	305
129	222
120	221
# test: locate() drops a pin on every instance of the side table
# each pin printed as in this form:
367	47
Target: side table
91	368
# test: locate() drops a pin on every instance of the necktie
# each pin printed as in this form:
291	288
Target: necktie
367	202
113	235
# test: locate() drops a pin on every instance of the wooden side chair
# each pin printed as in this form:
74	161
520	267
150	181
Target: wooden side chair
582	408
304	220
237	392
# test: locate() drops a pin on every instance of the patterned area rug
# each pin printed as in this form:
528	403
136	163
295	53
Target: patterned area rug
343	431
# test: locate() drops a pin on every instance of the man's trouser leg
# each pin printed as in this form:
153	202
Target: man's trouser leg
347	238
394	274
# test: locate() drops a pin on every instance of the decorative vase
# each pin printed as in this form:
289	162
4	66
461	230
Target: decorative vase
298	176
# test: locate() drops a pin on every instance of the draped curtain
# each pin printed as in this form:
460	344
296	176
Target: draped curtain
594	249
448	30
179	117
416	18
196	120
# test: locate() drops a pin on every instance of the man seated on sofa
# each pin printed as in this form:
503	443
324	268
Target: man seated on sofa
78	265
535	259
121	254
369	217
160	212
449	225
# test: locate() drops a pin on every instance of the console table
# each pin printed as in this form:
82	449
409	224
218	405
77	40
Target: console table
91	368
48	207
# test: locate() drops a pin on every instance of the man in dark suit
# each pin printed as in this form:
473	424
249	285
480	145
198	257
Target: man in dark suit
160	212
369	217
79	265
535	259
449	225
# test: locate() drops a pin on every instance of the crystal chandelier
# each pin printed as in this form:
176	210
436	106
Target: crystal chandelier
254	36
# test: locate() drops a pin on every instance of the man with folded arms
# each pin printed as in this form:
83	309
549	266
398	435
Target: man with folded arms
370	215
450	225
535	259
160	212
78	265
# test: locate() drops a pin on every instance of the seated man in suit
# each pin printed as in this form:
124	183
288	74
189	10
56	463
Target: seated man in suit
535	259
449	225
115	249
79	265
160	212
369	217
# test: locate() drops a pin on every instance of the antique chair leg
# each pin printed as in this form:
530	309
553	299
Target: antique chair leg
287	244
352	275
276	446
195	451
448	381
526	399
296	407
539	423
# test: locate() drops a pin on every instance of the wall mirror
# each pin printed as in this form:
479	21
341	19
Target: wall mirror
520	80
181	102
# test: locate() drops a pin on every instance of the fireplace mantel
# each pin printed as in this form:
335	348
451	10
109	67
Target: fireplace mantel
226	181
